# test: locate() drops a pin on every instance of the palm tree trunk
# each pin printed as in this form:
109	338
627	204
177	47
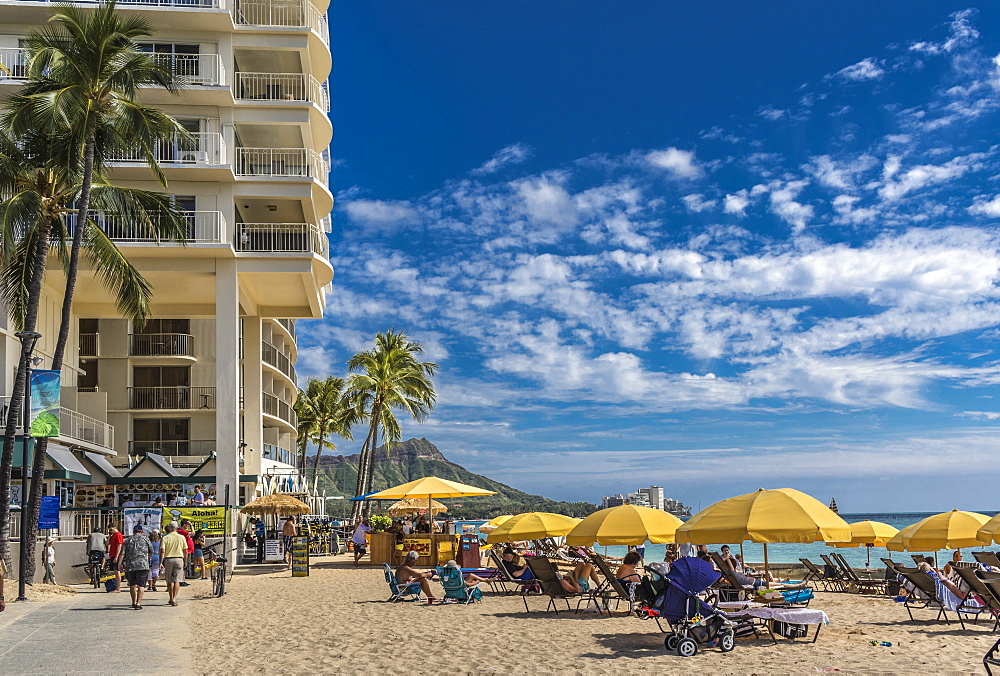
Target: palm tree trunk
20	383
358	510
41	445
369	465
319	452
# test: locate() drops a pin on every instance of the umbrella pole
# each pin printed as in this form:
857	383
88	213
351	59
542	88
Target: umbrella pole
742	557
767	570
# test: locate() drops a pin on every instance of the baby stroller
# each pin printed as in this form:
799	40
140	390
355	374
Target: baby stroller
692	620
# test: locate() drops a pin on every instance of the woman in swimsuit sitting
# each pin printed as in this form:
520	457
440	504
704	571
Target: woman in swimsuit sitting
626	573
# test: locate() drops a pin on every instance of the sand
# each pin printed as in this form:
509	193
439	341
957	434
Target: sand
337	621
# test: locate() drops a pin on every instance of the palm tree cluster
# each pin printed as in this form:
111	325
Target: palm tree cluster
382	381
77	110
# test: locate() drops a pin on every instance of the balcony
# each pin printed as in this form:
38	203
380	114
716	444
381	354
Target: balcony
283	14
273	357
272	452
201	148
75	426
203	227
13	63
161	345
282	87
194	69
282	238
291	162
289	325
90	345
277	408
179	397
184	447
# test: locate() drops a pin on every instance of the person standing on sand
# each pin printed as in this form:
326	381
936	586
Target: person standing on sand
173	548
137	553
359	540
288	531
50	563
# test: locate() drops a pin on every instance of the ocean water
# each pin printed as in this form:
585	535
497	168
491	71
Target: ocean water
792	552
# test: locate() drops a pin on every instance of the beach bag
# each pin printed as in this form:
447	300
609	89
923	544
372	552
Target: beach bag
790	629
110	585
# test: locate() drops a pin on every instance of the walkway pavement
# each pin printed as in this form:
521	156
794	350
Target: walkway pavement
94	631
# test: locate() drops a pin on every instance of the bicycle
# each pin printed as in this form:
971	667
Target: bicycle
217	564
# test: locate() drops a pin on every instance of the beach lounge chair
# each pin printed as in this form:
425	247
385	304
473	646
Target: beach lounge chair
400	592
992	656
815	574
503	582
729	583
924	586
453	581
545	574
988	559
611	589
863	585
834	571
977	586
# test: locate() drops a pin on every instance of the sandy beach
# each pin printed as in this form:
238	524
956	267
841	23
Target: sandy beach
337	621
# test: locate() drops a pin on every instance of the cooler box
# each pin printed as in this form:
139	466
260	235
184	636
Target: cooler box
468	551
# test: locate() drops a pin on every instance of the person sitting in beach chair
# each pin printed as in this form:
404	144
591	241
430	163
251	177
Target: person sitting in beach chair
465	588
407	574
517	572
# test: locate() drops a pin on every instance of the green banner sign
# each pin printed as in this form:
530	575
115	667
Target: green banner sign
45	403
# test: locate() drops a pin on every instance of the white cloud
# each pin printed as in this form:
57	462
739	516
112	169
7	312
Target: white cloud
784	205
678	163
513	154
697	203
381	212
925	175
984	206
737	203
849	214
868	69
962	34
771	113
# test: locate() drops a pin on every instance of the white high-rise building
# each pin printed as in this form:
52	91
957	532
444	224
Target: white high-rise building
654	495
214	372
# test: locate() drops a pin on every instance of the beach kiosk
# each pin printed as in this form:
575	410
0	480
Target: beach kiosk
434	548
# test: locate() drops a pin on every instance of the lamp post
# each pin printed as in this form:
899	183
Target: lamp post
28	338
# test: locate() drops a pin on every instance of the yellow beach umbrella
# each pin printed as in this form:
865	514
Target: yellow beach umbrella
948	530
990	531
765	516
532	526
625	525
429	487
868	534
494	523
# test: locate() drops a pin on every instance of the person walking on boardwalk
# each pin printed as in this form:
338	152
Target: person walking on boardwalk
288	531
115	540
50	562
137	551
173	548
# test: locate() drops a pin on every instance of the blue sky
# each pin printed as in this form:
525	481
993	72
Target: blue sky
714	248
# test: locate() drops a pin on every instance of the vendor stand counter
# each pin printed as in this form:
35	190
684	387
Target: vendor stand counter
435	549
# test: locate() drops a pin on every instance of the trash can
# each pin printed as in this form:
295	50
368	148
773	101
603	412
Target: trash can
468	551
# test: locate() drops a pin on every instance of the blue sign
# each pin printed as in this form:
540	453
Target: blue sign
48	515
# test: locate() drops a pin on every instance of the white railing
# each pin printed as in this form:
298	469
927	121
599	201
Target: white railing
201	148
279	408
281	238
14	62
203	227
75	425
281	13
281	162
282	87
193	69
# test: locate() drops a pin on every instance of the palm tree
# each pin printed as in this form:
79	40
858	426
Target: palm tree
388	378
328	411
84	75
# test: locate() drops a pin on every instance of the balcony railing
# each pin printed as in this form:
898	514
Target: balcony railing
282	238
203	227
202	148
289	325
281	13
272	452
279	409
161	345
301	162
15	63
90	344
194	69
174	447
273	357
75	425
282	87
176	397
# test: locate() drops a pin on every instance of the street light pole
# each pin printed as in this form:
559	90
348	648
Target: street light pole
29	338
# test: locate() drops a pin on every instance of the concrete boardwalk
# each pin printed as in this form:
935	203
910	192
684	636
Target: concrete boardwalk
94	631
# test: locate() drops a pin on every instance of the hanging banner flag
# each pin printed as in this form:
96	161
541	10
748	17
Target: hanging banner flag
147	517
44	403
210	519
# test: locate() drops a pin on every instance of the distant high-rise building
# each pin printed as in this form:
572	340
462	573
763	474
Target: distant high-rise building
638	498
612	501
654	495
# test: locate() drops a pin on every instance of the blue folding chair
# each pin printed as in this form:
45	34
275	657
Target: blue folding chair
400	592
453	581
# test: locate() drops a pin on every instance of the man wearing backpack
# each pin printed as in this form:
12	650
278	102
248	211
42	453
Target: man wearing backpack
137	550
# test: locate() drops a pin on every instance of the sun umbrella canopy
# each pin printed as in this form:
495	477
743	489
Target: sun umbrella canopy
494	523
625	525
278	504
777	515
948	530
990	531
868	534
532	526
429	486
414	506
